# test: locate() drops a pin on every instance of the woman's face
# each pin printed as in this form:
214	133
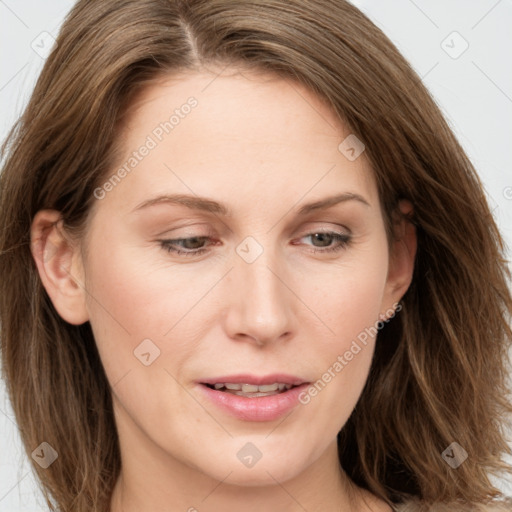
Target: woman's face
271	287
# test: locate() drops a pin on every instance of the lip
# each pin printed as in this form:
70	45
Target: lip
247	378
257	409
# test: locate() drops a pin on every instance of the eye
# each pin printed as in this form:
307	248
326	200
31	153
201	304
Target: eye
326	238
192	245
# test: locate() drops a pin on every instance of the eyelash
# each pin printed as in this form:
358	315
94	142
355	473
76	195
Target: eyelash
343	242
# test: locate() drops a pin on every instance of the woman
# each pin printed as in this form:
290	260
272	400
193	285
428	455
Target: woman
246	265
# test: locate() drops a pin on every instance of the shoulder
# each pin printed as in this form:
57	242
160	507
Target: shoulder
418	506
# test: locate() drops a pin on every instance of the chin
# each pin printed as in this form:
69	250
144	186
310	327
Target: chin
261	476
273	465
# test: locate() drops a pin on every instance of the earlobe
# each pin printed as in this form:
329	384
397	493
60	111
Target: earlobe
59	265
403	253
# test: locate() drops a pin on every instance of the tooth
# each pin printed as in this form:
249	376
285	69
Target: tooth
268	387
249	388
236	387
253	389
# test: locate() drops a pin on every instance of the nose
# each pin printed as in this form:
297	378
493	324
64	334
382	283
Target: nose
260	304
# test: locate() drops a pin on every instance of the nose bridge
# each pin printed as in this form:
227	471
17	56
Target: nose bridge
261	308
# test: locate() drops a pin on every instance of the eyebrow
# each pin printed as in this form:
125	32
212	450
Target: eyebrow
211	206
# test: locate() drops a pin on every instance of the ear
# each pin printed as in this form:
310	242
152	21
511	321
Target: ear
401	259
60	266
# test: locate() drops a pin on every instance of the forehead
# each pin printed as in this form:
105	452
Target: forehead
234	134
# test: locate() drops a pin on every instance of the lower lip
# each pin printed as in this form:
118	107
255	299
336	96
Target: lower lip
261	408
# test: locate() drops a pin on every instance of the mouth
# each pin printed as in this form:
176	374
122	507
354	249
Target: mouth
252	398
251	390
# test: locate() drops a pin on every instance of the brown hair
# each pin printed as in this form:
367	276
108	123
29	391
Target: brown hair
440	368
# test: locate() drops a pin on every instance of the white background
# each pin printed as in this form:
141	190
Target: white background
474	92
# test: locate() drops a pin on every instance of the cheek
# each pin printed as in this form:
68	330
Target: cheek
348	295
140	287
132	299
350	307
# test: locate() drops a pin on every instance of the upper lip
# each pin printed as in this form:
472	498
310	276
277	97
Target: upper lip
257	380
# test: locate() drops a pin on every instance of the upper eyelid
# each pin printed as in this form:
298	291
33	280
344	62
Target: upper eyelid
209	232
304	234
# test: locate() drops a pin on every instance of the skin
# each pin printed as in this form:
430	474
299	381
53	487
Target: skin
263	146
